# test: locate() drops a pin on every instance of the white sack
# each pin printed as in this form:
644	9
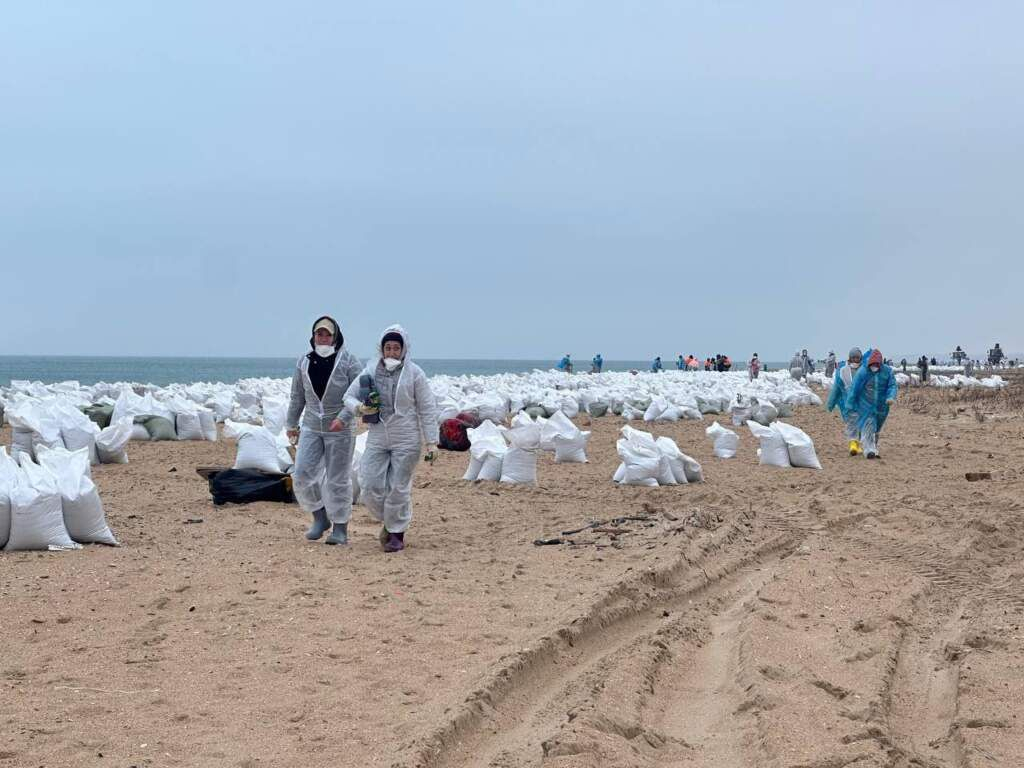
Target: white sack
112	440
799	445
37	518
725	440
773	452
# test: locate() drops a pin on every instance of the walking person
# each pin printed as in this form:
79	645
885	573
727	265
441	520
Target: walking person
754	367
842	381
830	365
872	395
407	421
323	459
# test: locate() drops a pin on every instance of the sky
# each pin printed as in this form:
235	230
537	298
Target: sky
511	180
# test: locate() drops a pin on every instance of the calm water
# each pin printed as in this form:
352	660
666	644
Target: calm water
167	370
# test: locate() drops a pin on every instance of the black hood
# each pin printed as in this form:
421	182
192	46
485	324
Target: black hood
339	339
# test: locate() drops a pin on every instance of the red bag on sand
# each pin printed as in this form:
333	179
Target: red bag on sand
470	418
453	435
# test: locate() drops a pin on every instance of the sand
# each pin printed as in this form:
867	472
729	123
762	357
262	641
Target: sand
865	615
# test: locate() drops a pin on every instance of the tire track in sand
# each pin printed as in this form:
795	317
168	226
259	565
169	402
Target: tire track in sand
507	722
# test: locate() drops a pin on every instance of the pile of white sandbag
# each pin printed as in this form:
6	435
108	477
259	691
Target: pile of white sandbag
783	445
50	505
510	455
651	461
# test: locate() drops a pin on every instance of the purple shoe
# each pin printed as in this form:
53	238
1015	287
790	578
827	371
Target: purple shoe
395	542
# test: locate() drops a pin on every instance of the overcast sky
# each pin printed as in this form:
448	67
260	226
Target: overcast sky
511	180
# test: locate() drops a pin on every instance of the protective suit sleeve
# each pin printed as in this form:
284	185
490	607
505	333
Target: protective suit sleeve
351	398
297	402
426	407
835	395
354	369
893	388
858	384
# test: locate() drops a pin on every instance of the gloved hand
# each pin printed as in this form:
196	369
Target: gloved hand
366	409
337	425
431	453
293	435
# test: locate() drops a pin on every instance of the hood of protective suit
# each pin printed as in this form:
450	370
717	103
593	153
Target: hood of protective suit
396	328
339	338
875	358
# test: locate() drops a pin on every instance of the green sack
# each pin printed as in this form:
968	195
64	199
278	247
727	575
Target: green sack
535	411
597	410
160	428
100	414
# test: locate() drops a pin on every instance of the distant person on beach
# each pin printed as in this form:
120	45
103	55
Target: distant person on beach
968	367
796	366
754	367
872	395
842	381
323	459
922	366
656	366
726	363
597	363
680	364
565	364
903	364
408	420
806	362
693	363
830	365
707	364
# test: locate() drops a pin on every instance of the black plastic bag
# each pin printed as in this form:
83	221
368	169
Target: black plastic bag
243	486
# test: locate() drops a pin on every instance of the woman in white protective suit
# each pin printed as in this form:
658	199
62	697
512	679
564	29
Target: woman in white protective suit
408	420
323	461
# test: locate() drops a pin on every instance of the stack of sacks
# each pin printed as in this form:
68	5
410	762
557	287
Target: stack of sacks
783	445
486	451
192	421
725	440
259	448
560	435
53	505
32	426
650	462
519	464
153	420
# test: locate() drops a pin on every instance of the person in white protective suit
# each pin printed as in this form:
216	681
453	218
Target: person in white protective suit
408	420
322	477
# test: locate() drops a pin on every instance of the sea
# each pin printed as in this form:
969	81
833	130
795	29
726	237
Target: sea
162	371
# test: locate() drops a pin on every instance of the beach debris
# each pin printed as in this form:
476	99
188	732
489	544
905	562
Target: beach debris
973	477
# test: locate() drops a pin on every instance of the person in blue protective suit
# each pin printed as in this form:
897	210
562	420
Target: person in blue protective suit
656	366
408	420
597	363
841	383
872	395
565	364
680	364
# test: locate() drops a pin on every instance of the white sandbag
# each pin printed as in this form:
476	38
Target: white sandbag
764	414
672	413
799	445
725	440
21	442
519	466
257	449
357	456
655	409
774	452
188	426
284	452
557	426
208	424
665	474
473	470
740	413
37	516
571	450
275	413
671	453
8	472
83	512
570	406
641	465
112	440
491	467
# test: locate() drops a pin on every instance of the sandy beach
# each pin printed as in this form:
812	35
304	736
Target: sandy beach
869	614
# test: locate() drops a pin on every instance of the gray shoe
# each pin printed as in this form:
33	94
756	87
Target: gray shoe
319	526
339	534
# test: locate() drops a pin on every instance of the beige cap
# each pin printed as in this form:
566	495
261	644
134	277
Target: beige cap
326	324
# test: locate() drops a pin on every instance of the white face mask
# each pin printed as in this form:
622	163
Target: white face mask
391	363
875	369
324	350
